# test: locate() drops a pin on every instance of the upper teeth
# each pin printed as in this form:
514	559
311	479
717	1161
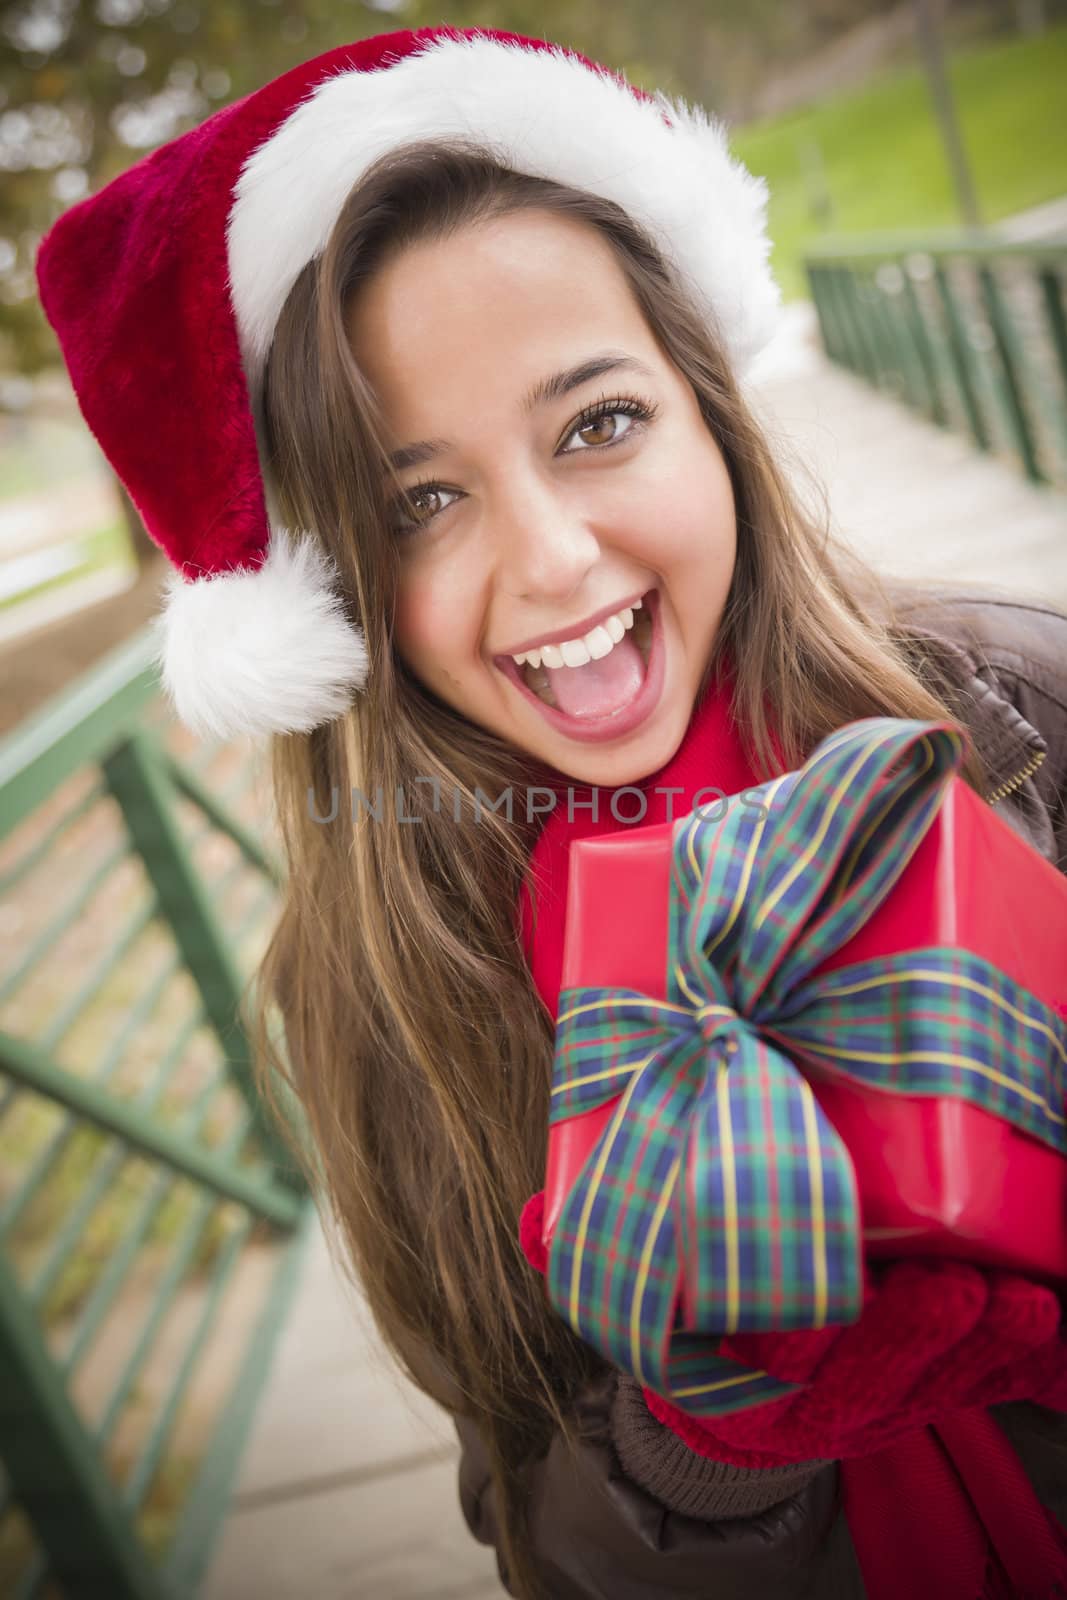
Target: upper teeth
593	646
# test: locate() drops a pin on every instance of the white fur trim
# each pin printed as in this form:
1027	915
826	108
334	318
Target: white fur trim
254	653
541	113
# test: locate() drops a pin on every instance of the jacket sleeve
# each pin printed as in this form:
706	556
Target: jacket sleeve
635	1513
1022	649
1017	651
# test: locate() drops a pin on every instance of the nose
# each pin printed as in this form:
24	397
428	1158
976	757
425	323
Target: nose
544	542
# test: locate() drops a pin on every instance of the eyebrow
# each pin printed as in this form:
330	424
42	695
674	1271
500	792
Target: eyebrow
543	393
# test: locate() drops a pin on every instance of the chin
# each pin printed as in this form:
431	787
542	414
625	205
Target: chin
642	755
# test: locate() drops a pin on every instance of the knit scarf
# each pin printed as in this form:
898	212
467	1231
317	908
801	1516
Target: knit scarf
949	1510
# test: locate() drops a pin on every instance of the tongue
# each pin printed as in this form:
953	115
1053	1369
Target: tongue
600	687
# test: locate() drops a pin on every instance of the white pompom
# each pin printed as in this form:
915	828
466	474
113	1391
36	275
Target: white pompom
254	653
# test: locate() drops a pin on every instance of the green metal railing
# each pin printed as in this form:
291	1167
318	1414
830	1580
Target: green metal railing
150	1218
965	328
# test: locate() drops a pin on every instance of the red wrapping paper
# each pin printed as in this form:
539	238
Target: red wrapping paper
935	1176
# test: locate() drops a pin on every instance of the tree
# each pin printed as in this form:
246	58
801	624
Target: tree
85	89
88	89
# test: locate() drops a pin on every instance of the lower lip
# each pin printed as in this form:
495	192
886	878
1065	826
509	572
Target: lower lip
597	730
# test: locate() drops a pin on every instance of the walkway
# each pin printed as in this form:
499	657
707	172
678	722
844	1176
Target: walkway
348	1489
913	499
348	1486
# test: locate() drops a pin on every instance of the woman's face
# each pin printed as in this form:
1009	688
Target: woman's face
532	522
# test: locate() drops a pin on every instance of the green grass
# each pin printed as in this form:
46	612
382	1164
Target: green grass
105	547
884	163
38	454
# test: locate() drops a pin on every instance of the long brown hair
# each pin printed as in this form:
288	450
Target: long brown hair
418	1047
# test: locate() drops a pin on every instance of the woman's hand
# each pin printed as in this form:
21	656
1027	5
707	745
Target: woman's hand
935	1337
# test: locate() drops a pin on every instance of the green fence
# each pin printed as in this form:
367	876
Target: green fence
150	1222
968	330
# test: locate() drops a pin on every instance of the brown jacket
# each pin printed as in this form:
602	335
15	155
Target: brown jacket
639	1515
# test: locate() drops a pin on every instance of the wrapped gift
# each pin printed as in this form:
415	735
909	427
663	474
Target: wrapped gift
823	1021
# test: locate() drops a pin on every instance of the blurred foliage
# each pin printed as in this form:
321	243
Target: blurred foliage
89	86
88	89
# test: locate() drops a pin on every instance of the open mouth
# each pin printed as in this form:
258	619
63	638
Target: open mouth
539	679
612	700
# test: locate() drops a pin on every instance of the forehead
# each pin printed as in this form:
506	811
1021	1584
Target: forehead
491	309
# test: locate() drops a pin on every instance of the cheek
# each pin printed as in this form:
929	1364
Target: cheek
695	512
432	628
418	623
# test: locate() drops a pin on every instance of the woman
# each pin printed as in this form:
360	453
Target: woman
509	269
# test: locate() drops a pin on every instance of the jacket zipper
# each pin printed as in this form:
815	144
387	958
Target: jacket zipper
1002	792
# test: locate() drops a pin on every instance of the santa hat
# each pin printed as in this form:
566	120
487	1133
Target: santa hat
165	288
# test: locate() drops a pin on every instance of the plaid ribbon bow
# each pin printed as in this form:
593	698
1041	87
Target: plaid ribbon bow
718	1167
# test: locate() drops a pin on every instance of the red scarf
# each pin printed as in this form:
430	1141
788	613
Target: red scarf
947	1513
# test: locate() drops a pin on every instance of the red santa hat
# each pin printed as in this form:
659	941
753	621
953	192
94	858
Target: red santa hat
164	290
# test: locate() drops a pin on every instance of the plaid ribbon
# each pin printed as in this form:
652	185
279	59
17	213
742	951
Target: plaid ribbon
718	1164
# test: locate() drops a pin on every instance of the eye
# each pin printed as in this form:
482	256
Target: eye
404	522
638	411
602	410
